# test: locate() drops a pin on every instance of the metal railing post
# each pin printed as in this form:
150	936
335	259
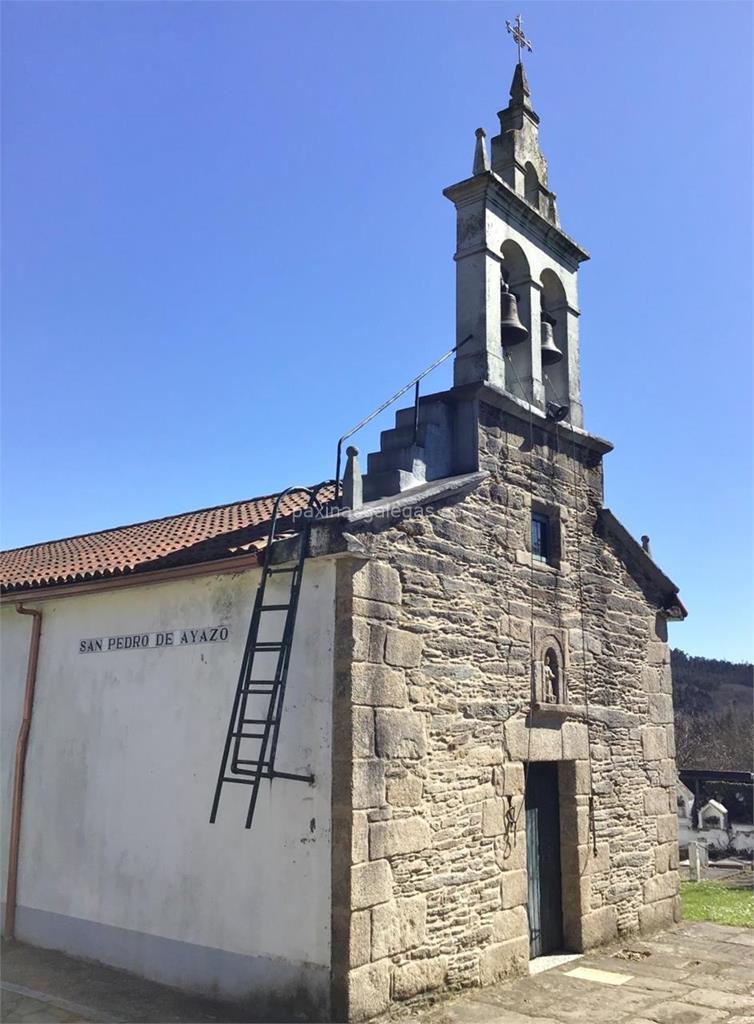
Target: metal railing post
414	383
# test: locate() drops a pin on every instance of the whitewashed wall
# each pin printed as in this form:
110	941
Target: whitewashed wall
118	859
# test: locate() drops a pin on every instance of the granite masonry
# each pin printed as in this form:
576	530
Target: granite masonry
466	653
435	726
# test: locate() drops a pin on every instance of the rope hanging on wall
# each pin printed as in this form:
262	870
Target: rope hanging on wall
580	584
531	599
510	820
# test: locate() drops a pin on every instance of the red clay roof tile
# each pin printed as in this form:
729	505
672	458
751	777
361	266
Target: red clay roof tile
224	531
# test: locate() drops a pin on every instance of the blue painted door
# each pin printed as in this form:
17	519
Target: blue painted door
543	859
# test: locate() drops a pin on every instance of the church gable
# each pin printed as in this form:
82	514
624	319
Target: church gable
638	561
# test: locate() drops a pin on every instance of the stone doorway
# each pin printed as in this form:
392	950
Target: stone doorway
543	860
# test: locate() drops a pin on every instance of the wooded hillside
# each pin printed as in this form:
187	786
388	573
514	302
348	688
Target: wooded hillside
714	713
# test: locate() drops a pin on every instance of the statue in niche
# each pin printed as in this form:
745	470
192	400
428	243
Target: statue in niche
551	677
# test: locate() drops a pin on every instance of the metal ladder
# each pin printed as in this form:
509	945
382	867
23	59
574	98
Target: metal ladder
258	703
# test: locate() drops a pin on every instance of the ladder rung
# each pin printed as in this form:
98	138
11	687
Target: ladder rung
250	773
267	645
274	572
251	777
253	687
274	607
254	721
248	735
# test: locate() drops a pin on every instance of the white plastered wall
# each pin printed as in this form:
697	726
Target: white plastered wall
123	758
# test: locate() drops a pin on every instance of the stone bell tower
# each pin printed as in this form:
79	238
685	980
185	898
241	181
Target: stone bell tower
517	315
510	243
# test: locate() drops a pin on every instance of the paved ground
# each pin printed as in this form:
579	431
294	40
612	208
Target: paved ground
694	974
41	986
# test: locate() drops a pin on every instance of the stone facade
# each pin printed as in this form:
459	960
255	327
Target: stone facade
437	618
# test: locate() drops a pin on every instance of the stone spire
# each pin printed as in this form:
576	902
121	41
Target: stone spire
481	157
516	155
520	93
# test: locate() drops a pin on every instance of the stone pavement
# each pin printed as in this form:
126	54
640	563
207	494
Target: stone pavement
693	974
41	986
21	1004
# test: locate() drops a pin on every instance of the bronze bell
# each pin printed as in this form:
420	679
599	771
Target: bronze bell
550	351
512	331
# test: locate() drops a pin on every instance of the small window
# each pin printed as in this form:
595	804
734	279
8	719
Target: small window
540	537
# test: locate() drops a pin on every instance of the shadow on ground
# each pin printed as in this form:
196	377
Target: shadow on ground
697	973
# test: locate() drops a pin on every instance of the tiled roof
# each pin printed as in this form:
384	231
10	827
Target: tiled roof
186	539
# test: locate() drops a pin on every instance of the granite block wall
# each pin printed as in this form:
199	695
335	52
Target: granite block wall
436	636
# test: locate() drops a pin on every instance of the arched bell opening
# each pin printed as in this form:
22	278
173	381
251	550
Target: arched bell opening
554	338
517	348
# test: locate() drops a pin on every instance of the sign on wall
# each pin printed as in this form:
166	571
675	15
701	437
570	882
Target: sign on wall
141	641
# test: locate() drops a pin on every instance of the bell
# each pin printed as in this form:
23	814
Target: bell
550	351
512	331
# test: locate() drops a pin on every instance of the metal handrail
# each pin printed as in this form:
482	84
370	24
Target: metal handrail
314	503
414	383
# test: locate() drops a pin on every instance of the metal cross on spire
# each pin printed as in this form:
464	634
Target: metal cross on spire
522	43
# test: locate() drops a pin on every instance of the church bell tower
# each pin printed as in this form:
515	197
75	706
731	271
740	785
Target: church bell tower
517	311
516	270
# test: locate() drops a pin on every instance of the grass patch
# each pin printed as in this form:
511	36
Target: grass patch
716	902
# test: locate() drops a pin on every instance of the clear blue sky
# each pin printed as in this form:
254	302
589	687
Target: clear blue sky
225	242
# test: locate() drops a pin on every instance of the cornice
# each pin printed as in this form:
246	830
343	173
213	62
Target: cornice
77	588
527	412
499	194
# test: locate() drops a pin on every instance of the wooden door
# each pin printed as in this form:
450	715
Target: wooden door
543	859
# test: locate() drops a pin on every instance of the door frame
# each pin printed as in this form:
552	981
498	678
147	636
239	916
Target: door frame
543	843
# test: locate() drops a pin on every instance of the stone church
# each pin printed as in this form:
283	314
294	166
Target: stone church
475	763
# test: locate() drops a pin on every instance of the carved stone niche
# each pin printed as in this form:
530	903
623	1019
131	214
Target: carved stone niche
550	669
